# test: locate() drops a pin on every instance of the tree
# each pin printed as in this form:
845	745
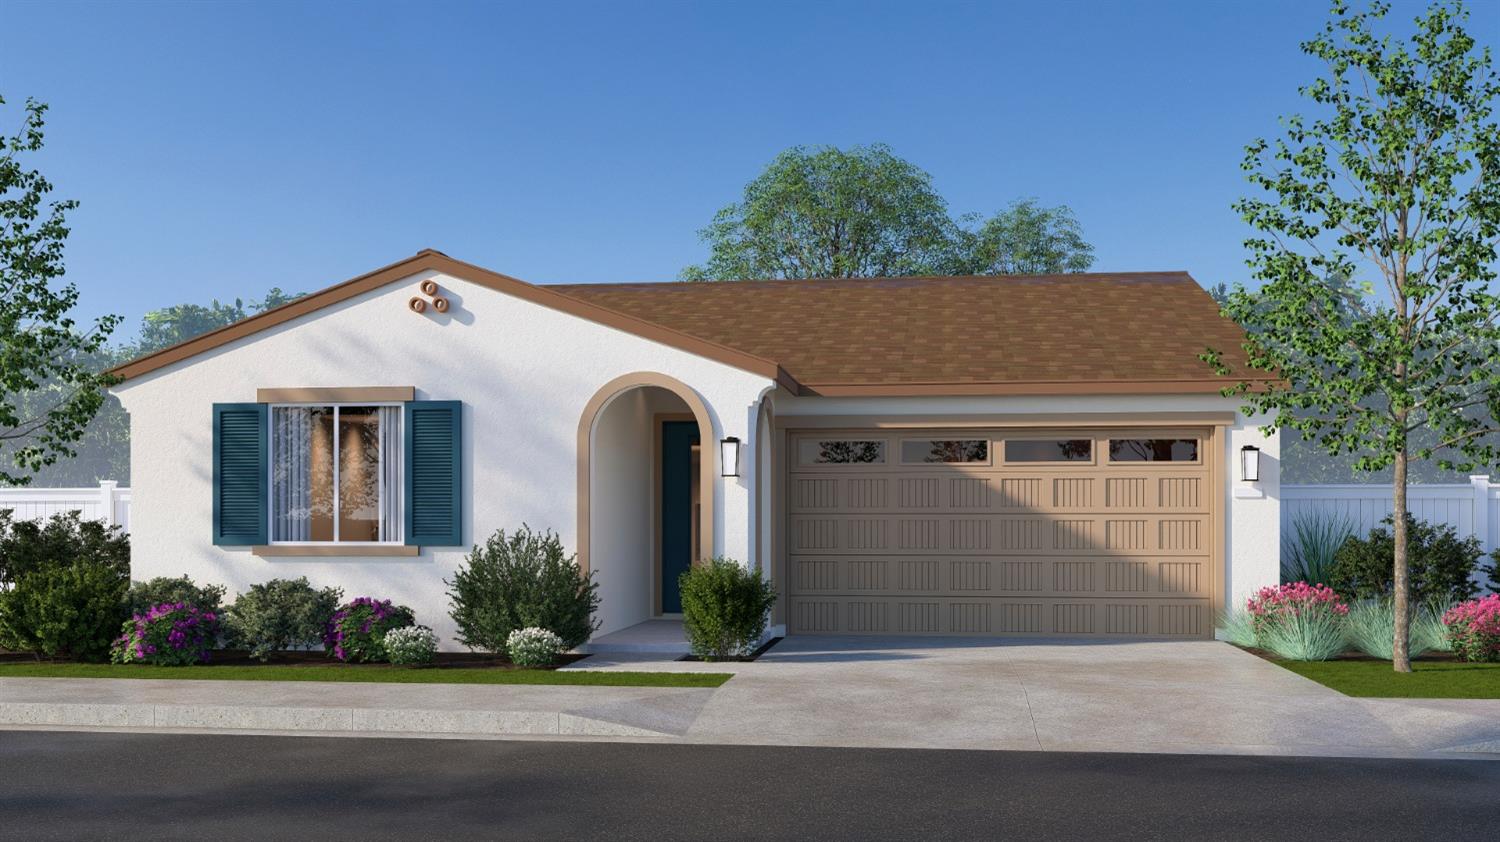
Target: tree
48	392
104	450
1399	176
829	213
1025	239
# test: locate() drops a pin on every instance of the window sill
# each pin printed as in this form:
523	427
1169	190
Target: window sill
333	550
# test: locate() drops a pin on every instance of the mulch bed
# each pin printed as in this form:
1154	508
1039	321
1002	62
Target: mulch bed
746	659
1351	656
241	658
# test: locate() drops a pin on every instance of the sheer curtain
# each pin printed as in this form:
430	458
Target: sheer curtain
291	474
391	512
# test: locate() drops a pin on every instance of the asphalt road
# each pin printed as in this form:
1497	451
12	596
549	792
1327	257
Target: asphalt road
79	786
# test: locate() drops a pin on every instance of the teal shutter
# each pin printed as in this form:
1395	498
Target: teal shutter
434	448
240	497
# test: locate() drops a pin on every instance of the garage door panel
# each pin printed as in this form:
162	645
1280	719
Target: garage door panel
1167	577
939	615
1072	533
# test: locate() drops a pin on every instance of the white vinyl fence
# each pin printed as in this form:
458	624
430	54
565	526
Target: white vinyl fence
106	501
1472	509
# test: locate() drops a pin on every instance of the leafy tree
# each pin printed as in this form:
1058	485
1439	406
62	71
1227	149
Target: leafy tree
1399	176
828	213
48	392
104	450
1025	239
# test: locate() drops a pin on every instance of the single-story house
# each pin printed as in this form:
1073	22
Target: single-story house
1024	456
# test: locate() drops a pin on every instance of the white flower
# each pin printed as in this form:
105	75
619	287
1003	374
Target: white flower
410	645
533	647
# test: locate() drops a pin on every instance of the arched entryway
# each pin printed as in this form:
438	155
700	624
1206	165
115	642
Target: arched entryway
646	480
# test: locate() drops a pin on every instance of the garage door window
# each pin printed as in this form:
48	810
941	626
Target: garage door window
917	451
1153	450
1049	450
841	452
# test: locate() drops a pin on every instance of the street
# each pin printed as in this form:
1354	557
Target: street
79	786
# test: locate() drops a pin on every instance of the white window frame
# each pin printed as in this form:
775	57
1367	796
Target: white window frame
271	475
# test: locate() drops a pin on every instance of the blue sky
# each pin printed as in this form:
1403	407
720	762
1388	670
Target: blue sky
219	149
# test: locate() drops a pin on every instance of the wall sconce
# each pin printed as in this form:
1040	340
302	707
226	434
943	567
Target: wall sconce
729	457
1250	463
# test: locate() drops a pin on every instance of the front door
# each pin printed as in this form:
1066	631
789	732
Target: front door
679	492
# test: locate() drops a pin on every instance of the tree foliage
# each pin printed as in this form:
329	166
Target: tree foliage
48	391
1377	226
823	212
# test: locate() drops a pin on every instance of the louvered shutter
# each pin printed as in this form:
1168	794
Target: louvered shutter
240	497
434	447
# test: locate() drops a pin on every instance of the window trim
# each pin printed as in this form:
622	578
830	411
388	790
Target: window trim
989	450
1092	461
1164	463
273	545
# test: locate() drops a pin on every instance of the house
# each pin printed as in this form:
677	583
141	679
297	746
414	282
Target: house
1023	456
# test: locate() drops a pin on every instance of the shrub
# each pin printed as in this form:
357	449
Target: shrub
1371	628
1441	563
1271	604
71	610
144	596
1474	629
410	645
1304	635
356	633
1308	550
171	634
62	586
27	546
724	608
282	614
1427	626
534	647
519	581
1237	627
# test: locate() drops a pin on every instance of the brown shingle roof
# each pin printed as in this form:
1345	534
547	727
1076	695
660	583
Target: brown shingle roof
1045	333
1095	333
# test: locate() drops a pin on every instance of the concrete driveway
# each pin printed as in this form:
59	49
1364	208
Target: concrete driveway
1178	696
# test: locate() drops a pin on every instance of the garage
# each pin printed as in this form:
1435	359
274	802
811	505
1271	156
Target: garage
1028	532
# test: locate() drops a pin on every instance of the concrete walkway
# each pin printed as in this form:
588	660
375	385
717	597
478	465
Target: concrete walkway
1159	697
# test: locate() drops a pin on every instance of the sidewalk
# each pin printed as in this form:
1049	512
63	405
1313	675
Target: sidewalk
1187	697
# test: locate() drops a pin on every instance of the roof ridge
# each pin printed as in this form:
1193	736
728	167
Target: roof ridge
756	282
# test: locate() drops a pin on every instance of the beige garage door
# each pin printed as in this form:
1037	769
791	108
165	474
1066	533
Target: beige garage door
1002	532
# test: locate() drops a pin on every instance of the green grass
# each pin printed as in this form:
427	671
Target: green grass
1427	680
367	674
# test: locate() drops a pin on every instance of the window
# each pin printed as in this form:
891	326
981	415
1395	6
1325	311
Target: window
841	452
1049	450
945	450
336	474
1153	450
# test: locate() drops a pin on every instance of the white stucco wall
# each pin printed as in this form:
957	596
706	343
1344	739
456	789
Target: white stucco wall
524	373
1252	536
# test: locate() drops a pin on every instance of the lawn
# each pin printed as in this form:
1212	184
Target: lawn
1427	680
365	674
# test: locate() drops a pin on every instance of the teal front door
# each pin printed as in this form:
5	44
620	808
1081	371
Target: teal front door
679	476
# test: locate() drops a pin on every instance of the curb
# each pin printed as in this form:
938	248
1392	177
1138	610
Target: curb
408	721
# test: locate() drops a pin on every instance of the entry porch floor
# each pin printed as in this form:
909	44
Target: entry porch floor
662	636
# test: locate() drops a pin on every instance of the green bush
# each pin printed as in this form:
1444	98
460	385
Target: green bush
27	545
1441	564
724	608
164	590
517	581
64	610
1371	628
281	614
356	634
1309	548
62	586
